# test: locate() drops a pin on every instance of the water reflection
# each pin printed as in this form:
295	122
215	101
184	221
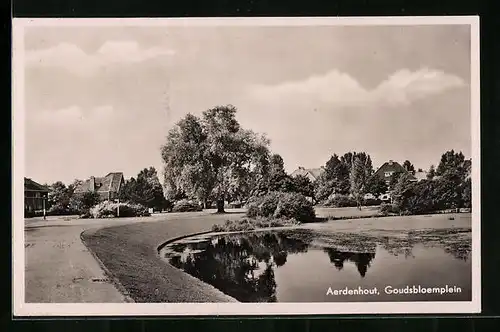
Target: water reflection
244	266
361	260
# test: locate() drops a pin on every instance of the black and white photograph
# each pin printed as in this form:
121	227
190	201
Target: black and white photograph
246	166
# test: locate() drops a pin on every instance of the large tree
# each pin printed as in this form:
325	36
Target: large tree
337	172
212	155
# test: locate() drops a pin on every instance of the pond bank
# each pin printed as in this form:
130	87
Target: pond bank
129	252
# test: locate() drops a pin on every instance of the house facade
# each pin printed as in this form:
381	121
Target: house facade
389	168
311	173
35	196
108	187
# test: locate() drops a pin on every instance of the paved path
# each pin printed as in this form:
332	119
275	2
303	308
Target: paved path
60	269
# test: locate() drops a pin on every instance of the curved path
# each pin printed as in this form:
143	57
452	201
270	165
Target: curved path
60	268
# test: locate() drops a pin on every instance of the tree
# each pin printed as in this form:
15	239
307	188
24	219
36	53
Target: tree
376	186
407	165
432	173
359	179
365	160
145	190
401	190
452	162
394	179
85	201
211	155
337	173
58	198
304	186
278	179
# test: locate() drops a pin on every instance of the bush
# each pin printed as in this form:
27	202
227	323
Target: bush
388	209
341	201
282	206
108	209
245	224
58	210
372	202
295	206
185	205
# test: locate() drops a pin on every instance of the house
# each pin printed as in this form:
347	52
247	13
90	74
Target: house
422	175
390	167
311	173
35	196
108	187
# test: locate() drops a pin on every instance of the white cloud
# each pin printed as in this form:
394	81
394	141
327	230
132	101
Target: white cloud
339	89
73	58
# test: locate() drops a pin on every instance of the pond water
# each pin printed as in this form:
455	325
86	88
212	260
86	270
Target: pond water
307	266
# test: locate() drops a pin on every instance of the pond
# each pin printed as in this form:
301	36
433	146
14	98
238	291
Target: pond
303	265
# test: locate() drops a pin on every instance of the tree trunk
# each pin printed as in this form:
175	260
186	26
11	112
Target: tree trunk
220	206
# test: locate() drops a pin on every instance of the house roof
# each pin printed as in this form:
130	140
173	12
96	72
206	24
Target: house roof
110	182
421	175
391	166
30	185
312	172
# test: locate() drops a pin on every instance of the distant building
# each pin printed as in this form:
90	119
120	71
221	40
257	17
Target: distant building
108	187
386	171
311	173
34	196
422	175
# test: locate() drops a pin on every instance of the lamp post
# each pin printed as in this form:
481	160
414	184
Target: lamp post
43	202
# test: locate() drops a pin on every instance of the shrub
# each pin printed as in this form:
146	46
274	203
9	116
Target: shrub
295	206
185	205
281	205
372	202
58	210
388	209
108	209
341	201
245	224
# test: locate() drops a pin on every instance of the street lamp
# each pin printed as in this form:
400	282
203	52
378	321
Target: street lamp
44	212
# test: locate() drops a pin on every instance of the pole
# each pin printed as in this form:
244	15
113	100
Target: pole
118	208
43	200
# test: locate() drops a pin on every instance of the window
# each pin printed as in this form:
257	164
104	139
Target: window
389	173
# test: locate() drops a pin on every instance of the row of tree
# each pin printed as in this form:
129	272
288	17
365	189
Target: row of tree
213	159
447	187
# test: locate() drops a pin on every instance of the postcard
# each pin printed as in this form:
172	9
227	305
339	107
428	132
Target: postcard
246	166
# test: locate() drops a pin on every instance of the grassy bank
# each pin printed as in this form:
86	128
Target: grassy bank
129	253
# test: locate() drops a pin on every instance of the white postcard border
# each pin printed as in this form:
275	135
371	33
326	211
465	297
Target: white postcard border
21	308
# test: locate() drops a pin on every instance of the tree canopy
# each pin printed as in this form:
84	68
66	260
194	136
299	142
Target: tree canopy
212	156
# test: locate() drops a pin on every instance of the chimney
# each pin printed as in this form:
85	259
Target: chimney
390	162
92	184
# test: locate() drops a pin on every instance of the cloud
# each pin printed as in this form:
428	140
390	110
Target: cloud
339	89
73	58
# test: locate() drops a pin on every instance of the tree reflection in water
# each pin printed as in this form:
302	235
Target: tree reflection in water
243	265
361	260
240	266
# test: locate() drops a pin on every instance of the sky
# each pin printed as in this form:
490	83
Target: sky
102	99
